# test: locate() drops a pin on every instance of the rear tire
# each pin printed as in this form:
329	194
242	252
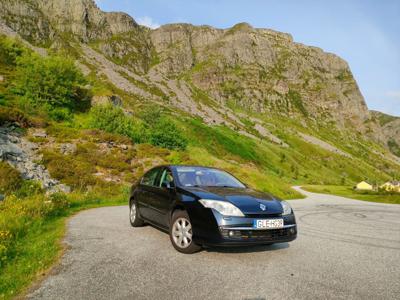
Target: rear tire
181	233
134	216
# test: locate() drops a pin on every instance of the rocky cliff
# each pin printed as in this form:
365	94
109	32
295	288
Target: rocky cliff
261	70
44	20
390	129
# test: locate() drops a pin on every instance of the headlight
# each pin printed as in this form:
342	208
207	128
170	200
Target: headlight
223	207
287	210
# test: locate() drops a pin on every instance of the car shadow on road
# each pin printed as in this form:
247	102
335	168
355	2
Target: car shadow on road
248	249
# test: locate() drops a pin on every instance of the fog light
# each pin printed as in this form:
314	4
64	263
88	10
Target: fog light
231	233
292	230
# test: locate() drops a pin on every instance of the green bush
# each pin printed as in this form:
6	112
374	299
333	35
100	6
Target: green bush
163	132
167	135
10	179
113	120
51	82
10	49
60	114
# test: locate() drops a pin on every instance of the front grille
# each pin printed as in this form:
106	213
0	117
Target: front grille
270	234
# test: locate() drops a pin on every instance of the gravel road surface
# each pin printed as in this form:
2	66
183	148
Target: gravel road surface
346	249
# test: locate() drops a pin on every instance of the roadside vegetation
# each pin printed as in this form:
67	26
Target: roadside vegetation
350	192
32	225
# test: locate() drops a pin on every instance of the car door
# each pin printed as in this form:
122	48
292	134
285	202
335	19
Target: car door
145	195
163	197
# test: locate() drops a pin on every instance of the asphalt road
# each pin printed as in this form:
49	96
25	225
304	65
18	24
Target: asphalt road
346	249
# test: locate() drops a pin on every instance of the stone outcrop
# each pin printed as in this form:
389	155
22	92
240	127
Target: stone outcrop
390	130
22	155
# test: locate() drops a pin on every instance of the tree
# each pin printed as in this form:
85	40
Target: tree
52	82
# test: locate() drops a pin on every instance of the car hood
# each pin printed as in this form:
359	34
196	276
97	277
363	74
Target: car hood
249	201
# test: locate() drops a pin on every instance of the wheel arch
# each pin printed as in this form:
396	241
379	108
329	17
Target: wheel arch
130	200
175	207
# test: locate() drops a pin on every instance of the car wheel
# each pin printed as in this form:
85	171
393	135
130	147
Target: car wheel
134	217
181	233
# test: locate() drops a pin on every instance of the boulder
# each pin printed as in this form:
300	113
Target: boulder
10	150
105	100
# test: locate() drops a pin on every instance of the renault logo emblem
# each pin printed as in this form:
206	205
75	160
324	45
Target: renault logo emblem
262	206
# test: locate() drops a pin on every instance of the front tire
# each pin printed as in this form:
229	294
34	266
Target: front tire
181	233
134	216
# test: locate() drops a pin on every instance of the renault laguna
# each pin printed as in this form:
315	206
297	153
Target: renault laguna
201	206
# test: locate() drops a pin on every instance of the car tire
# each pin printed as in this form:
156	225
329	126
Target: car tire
134	217
181	233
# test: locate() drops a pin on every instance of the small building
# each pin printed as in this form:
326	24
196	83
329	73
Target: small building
364	186
391	186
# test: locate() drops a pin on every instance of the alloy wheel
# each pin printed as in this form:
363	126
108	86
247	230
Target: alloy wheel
182	233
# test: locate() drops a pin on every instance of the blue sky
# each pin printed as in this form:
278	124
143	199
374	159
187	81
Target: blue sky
366	33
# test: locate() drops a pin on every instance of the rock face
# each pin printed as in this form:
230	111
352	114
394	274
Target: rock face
261	70
390	130
43	20
21	154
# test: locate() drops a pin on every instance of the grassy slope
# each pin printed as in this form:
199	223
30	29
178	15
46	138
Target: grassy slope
349	192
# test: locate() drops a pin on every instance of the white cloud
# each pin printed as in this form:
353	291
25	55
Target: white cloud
148	22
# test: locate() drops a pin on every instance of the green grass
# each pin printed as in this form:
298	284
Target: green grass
37	251
349	192
38	247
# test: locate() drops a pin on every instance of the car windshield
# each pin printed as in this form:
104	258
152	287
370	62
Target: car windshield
198	176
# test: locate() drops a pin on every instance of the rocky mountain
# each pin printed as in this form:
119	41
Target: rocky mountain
391	130
256	82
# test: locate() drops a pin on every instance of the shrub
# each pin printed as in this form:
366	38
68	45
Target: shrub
113	120
162	130
10	49
60	114
151	114
167	135
10	179
51	82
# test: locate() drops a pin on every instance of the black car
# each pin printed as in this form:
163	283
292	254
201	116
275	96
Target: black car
207	206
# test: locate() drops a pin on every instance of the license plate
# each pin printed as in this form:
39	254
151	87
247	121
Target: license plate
268	224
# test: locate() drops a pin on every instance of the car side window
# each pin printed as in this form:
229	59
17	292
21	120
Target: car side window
166	178
150	177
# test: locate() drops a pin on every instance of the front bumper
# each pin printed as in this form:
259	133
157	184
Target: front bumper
237	231
249	235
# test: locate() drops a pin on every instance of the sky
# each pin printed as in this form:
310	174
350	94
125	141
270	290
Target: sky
366	33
